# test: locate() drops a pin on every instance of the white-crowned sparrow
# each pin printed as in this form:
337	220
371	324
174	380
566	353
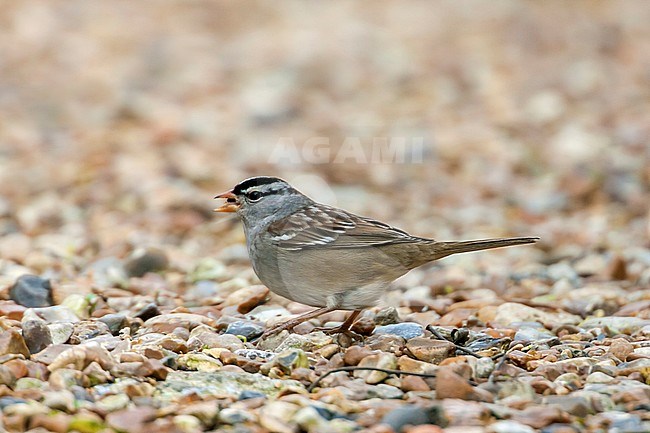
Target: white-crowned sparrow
326	257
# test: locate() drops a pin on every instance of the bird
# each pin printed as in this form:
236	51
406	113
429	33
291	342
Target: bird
326	257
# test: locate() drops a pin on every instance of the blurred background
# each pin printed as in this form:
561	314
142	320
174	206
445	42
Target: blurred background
121	120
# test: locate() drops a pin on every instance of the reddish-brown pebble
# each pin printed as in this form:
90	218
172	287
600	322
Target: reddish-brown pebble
413	383
354	354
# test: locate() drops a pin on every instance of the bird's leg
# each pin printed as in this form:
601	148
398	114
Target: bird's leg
290	324
343	328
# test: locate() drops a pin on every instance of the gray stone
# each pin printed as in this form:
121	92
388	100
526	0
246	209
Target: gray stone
529	334
144	260
37	335
235	416
578	406
115	322
147	312
32	291
387	316
406	330
248	330
413	415
359	390
108	272
203	289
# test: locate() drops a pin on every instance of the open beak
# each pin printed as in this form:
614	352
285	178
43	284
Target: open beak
230	205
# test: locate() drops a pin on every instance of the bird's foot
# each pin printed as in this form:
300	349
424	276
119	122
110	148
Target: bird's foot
340	330
290	324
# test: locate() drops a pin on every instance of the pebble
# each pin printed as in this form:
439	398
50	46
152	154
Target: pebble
203	289
413	383
354	354
385	342
81	356
255	355
11	310
37	335
31	291
511	312
264	313
427	428
383	391
147	312
60	332
577	406
80	305
12	342
131	419
451	385
54	314
246	394
625	422
617	325
378	360
291	359
169	322
115	322
246	329
208	269
620	348
507	426
204	337
598	377
247	298
107	272
387	316
308	343
144	260
411	365
50	353
405	330
432	351
232	416
404	416
7	376
87	330
532	334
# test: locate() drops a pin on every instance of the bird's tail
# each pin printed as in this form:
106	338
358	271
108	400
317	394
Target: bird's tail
444	249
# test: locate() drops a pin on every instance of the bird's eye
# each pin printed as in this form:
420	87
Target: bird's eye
254	196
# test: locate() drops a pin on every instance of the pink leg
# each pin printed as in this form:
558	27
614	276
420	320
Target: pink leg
344	327
290	324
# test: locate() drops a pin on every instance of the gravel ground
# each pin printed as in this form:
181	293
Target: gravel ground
127	305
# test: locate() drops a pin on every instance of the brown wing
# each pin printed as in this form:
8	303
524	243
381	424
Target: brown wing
318	225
